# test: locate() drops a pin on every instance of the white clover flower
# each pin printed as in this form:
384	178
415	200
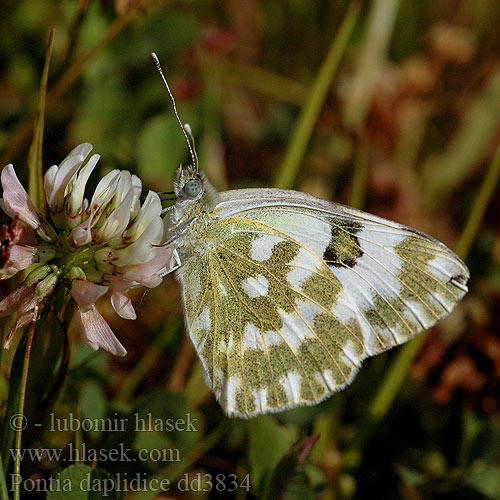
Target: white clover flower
108	245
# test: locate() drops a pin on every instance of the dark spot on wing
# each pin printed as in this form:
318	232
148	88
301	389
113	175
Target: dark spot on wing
344	248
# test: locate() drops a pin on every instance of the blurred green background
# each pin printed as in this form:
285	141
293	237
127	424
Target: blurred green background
391	106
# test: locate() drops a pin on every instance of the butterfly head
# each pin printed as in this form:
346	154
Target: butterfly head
188	184
191	185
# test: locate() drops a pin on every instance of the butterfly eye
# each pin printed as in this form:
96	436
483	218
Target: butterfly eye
192	188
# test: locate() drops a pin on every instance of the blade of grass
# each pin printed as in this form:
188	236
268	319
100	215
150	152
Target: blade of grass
4	494
479	208
400	366
381	21
264	81
303	129
479	127
36	191
286	469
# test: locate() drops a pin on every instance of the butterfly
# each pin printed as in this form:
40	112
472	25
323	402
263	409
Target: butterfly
285	294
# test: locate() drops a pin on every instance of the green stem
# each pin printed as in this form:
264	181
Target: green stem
479	208
403	360
304	127
20	407
4	494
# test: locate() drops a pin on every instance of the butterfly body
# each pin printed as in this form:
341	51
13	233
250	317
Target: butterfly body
285	294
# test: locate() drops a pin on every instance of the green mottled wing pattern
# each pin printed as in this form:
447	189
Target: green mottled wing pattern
264	343
286	301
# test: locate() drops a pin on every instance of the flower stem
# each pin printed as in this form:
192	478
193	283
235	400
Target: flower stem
20	407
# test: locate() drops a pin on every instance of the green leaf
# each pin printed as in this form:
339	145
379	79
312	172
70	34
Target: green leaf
269	441
36	191
486	481
81	482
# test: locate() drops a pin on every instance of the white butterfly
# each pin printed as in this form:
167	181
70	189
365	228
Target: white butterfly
285	294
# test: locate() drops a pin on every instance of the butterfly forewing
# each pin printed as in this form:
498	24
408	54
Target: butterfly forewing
291	293
259	307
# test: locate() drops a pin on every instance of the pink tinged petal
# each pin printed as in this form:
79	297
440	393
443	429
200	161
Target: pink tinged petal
16	200
149	274
82	235
22	257
120	301
13	301
7	272
26	317
122	304
86	293
117	283
97	333
25	302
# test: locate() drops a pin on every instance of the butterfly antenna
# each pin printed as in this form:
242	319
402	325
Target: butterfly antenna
156	62
187	128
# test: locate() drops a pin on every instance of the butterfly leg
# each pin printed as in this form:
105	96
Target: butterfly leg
177	264
179	234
